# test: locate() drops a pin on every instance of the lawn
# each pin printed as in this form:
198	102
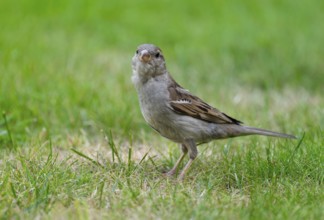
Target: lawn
74	145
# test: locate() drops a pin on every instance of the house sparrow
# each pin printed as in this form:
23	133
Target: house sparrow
177	114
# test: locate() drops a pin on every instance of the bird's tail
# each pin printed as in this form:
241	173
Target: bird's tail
259	131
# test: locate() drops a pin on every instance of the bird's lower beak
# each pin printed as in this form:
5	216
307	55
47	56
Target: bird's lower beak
145	56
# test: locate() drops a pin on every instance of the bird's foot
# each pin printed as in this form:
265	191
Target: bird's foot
171	173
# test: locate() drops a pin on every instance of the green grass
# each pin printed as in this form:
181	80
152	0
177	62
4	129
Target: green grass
73	143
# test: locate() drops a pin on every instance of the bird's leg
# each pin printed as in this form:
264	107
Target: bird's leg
175	167
193	152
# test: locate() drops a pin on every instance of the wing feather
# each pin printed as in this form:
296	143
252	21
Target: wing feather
183	102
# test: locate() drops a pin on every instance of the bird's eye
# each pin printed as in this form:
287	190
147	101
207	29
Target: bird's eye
137	51
157	55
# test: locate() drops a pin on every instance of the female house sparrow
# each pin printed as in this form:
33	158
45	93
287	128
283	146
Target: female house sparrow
176	113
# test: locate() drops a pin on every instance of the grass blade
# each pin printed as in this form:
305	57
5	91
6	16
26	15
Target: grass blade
4	115
88	158
296	149
113	147
129	158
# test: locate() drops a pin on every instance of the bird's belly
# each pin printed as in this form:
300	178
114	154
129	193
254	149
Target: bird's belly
154	101
179	127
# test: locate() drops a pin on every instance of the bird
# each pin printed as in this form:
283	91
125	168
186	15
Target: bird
178	115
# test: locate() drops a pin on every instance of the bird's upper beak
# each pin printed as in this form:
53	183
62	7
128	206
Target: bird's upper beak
145	56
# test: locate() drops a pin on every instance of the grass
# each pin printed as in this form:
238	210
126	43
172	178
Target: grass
73	143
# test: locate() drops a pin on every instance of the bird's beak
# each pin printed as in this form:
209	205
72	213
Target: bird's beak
144	56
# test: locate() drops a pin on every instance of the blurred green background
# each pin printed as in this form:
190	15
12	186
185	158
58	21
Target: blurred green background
65	65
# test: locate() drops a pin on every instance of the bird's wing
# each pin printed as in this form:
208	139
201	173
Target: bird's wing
183	102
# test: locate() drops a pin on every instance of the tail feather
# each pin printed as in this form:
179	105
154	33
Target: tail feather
260	131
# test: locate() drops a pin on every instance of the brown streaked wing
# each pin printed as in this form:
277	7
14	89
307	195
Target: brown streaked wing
185	103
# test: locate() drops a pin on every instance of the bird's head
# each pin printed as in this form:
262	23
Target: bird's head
148	61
